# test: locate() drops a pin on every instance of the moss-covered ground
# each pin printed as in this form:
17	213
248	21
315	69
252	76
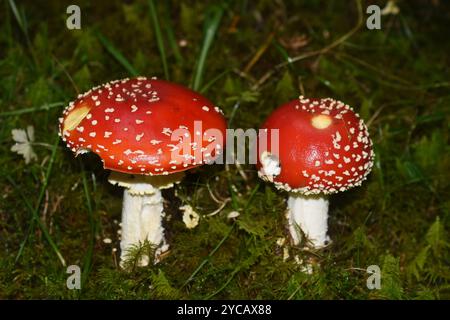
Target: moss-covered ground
248	57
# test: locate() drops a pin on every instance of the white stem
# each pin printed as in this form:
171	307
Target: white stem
143	211
142	216
308	214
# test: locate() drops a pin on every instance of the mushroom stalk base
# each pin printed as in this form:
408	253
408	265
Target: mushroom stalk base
143	211
142	216
308	215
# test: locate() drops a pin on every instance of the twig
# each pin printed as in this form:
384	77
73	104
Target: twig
224	203
375	115
240	170
259	53
211	193
67	74
45	209
324	50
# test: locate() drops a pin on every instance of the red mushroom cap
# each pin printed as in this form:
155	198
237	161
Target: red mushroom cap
129	124
324	147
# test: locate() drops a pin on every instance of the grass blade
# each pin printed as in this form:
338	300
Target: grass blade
211	26
19	20
214	80
117	54
171	36
213	251
239	267
231	277
44	107
35	211
87	262
159	39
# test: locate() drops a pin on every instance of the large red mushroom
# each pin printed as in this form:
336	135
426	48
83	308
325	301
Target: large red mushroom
323	147
147	132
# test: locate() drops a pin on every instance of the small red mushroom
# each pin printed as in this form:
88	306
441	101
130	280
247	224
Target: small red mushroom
323	148
147	132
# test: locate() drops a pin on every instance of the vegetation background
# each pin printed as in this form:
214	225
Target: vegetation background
248	57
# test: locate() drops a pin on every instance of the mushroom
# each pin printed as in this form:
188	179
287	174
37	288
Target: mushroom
141	129
323	148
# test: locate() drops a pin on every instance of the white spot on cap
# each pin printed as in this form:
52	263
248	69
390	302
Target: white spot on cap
172	147
321	121
167	131
139	136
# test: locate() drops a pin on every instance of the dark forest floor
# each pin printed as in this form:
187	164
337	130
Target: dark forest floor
58	209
